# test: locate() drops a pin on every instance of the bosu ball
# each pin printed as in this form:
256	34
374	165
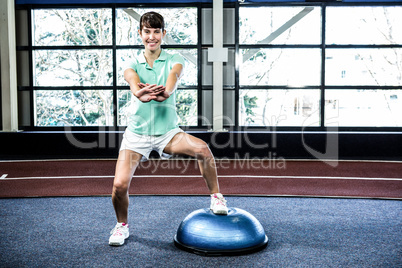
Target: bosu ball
202	232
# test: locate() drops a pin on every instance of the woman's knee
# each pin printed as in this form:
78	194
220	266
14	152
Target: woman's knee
120	186
202	150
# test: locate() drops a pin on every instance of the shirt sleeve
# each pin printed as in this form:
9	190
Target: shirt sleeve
131	64
176	58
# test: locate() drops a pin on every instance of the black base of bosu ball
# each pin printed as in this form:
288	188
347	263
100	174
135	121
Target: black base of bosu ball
202	232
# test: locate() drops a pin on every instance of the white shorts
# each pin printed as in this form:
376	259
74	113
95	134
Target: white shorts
145	144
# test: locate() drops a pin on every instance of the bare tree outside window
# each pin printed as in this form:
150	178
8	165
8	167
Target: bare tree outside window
76	67
294	68
371	67
279	86
280	66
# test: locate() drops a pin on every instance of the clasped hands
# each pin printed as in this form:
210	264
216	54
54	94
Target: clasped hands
149	92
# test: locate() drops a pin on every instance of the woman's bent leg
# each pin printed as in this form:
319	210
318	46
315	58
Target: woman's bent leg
126	164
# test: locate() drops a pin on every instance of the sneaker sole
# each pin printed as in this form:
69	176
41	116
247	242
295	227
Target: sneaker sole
116	244
220	212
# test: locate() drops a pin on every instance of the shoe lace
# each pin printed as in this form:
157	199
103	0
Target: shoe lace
117	230
220	200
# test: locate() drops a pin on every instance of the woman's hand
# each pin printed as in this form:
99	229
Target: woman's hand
149	92
164	95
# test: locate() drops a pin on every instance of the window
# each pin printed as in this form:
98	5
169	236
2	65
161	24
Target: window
287	66
280	66
290	65
364	66
64	69
74	56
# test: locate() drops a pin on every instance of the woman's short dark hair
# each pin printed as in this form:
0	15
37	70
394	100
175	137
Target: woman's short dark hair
152	20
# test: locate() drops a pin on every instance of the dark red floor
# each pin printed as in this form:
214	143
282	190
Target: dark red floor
182	177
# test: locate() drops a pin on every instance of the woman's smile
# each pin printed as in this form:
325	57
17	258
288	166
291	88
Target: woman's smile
152	37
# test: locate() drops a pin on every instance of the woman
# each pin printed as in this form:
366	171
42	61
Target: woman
153	79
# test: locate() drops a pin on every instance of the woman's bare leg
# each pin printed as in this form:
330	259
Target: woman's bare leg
126	164
186	144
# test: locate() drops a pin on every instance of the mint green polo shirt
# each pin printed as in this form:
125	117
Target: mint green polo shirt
154	118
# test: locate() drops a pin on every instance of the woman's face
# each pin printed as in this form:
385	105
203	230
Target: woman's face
152	38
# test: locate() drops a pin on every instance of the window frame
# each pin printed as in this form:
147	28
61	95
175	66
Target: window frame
30	48
200	46
323	87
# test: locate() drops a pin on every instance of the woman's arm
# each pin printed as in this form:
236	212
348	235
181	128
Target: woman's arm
132	79
144	94
173	78
171	83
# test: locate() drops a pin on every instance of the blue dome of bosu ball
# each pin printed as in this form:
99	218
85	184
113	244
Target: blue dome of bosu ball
202	232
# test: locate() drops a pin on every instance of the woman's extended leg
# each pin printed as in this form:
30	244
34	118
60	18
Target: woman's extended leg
183	143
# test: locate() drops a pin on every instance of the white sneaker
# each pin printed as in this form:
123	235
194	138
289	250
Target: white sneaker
118	234
218	204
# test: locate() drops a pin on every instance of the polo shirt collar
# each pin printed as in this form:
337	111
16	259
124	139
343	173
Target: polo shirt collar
162	57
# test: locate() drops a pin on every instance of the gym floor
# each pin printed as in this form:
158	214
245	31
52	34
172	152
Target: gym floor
59	213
